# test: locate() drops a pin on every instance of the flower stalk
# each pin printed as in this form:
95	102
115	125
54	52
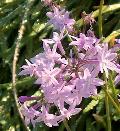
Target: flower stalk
66	125
107	105
100	19
112	101
113	88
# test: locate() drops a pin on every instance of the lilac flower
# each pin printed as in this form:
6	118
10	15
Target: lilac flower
41	61
62	93
29	69
67	113
106	59
57	40
23	99
49	119
60	19
75	98
47	77
89	60
29	114
48	57
87	84
51	54
83	42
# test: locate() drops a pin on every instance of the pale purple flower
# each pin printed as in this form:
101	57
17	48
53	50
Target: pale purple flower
29	69
75	98
89	60
51	54
67	113
106	59
87	84
23	99
83	42
49	119
56	40
62	93
60	19
49	57
29	114
47	77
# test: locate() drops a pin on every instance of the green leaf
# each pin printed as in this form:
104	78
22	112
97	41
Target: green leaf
90	106
100	119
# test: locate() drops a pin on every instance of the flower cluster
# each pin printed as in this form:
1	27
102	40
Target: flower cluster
65	79
60	19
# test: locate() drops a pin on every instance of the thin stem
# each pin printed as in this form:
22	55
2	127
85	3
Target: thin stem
107	105
112	85
66	125
113	88
16	54
15	59
100	19
113	102
108	113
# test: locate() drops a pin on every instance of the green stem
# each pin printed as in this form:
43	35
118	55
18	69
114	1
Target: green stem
112	85
66	125
15	58
108	113
113	88
107	105
112	101
100	19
